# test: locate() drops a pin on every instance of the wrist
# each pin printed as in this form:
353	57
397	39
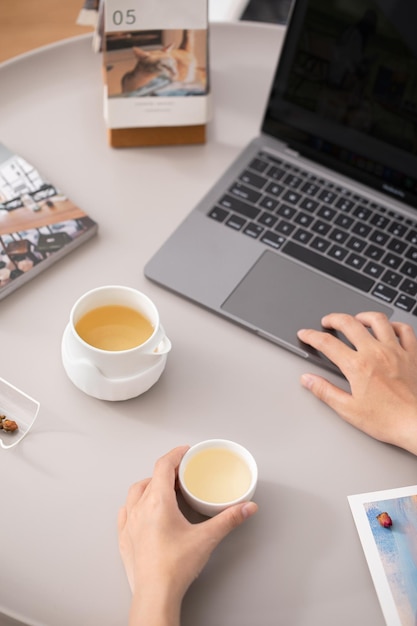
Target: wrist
155	606
407	433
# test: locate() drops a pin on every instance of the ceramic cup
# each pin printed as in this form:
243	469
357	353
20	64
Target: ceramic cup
216	474
114	374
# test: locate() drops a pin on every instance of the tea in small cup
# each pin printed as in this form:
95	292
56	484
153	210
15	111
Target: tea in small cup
216	474
114	346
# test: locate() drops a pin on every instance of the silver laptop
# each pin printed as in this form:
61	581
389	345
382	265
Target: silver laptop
317	214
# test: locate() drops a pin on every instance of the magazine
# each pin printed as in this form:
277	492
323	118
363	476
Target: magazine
387	525
38	223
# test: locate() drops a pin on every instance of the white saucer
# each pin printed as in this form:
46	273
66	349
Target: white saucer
89	379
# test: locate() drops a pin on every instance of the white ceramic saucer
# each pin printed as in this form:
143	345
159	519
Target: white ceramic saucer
89	379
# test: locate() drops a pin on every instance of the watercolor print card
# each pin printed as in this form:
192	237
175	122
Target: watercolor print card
387	525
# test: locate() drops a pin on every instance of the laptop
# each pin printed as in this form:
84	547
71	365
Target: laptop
318	213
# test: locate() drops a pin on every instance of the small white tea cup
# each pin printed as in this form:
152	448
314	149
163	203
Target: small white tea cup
114	374
207	469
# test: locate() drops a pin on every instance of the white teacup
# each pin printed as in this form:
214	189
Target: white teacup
119	370
215	474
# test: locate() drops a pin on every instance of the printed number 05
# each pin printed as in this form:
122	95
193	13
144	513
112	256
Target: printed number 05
120	18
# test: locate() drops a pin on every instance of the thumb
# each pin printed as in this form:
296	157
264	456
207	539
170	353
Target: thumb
325	391
230	518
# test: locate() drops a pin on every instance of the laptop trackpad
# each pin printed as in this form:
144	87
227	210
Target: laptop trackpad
279	296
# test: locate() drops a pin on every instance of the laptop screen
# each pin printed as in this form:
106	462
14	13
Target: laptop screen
345	91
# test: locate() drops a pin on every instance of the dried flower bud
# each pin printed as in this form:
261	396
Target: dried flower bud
7	425
385	520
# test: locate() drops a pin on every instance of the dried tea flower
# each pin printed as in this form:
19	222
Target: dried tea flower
7	425
384	519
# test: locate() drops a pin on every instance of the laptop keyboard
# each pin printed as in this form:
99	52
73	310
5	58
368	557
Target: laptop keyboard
326	226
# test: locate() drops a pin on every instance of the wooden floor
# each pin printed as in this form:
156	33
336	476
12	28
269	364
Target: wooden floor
28	24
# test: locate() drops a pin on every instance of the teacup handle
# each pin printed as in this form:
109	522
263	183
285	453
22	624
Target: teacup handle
164	345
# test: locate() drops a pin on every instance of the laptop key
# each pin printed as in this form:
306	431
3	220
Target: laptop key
274	189
236	222
409	269
374	252
284	227
327	196
292	197
327	213
355	260
267	219
250	178
392	278
253	230
405	302
258	165
362	213
344	221
397	229
304	219
338	235
411	254
361	229
286	211
232	203
409	287
328	266
268	203
275	172
345	205
377	236
380	221
309	205
310	188
337	252
293	181
320	244
373	269
302	235
412	237
356	244
396	245
321	228
246	193
272	239
392	260
218	214
387	294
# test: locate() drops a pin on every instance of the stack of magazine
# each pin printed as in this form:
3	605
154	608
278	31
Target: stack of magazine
38	223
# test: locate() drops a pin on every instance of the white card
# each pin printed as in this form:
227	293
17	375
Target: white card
155	62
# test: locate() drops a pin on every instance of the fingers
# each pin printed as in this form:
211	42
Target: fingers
334	349
381	327
135	493
232	517
355	329
166	469
406	336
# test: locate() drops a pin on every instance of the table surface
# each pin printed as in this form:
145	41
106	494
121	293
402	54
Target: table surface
299	560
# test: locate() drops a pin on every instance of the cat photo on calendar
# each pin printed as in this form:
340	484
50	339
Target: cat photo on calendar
156	63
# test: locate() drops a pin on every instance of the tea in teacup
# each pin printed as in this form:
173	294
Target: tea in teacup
114	346
114	327
217	475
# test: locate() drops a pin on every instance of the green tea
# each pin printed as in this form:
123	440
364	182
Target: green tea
217	475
